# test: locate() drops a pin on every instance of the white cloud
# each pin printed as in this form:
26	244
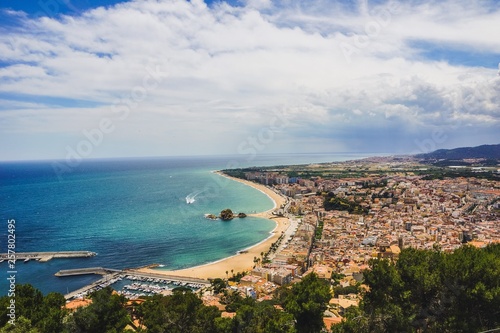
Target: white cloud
225	69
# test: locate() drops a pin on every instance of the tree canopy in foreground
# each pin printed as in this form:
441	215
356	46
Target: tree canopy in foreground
424	291
430	291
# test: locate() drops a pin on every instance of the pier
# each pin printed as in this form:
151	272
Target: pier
46	256
105	281
86	271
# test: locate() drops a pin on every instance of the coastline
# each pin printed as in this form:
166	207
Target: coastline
242	261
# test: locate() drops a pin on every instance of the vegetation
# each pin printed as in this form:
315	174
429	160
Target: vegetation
484	151
181	312
430	291
319	230
236	173
339	290
237	277
262	318
336	277
226	214
218	285
466	173
34	312
307	301
424	291
105	314
333	202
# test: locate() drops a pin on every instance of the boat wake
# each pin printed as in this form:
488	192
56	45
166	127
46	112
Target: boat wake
191	197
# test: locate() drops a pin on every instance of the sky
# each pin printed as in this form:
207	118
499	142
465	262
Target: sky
95	79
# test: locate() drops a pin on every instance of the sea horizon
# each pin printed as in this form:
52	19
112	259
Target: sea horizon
246	159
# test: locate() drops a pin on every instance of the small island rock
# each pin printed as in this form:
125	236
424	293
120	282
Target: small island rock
226	214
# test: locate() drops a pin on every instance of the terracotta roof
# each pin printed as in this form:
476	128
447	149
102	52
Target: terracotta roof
228	314
329	321
78	303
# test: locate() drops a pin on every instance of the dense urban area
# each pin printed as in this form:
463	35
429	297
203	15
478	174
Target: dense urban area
350	213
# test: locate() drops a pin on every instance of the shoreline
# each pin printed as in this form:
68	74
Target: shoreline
242	261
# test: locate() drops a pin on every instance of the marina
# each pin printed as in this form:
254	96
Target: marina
131	283
137	286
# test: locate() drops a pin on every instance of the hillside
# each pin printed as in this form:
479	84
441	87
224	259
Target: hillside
484	151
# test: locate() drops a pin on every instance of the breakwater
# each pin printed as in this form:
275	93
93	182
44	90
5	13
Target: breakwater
46	256
86	271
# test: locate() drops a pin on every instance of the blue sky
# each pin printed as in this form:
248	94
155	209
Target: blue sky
56	7
93	79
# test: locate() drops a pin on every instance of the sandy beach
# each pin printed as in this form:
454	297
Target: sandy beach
243	261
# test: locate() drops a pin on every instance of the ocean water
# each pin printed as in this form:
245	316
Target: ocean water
132	212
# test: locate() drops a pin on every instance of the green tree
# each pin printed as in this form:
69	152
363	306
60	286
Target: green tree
354	322
263	318
54	313
205	321
182	312
46	314
339	290
218	285
420	271
471	281
332	202
28	303
431	291
23	325
105	314
224	325
307	301
234	301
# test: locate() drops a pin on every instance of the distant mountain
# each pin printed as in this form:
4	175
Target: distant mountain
484	151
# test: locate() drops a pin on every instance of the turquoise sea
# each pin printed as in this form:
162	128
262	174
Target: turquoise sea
132	212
